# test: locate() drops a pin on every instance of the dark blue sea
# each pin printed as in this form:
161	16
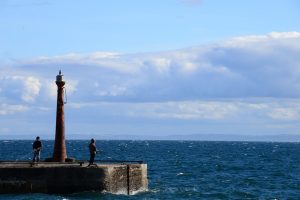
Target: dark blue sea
188	169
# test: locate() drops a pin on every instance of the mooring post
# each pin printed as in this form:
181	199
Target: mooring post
59	153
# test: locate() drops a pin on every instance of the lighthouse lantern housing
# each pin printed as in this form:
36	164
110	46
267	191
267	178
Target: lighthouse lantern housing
59	77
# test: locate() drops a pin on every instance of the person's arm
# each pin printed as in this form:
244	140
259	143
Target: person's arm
95	148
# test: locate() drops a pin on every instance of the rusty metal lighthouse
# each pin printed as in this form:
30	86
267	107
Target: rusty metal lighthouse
59	153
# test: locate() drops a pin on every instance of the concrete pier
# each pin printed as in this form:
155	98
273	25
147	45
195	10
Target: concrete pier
61	176
66	178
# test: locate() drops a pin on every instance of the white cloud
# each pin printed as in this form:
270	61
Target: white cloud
271	109
281	109
192	110
258	109
279	35
185	110
285	114
6	109
72	86
114	90
249	66
74	57
50	88
110	60
252	80
44	109
258	106
262	40
161	64
31	89
25	87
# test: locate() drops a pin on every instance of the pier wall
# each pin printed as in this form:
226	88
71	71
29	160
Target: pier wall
71	178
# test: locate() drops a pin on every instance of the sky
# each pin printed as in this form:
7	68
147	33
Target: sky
150	68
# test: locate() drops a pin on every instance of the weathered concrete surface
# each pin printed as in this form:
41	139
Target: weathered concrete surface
71	178
133	176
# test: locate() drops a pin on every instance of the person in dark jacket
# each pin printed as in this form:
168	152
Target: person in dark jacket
37	146
93	150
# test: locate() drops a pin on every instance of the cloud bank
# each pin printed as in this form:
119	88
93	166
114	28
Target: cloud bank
250	78
251	66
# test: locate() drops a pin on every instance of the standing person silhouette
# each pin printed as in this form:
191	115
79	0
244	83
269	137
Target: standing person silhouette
37	146
93	150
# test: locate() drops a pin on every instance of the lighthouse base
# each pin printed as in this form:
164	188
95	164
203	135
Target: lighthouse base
63	178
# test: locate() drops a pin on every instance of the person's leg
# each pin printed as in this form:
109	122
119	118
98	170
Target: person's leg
92	157
38	156
90	161
34	156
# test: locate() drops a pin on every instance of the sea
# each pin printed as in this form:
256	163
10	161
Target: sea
186	169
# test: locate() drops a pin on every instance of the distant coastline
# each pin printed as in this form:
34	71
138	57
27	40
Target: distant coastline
189	137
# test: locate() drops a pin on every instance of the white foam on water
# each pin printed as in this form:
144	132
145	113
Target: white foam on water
139	190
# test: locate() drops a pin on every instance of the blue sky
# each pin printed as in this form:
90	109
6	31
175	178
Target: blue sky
151	67
34	28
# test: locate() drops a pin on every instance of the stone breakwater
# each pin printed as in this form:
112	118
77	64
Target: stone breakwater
64	178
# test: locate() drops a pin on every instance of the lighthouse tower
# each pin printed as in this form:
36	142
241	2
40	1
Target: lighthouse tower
59	153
